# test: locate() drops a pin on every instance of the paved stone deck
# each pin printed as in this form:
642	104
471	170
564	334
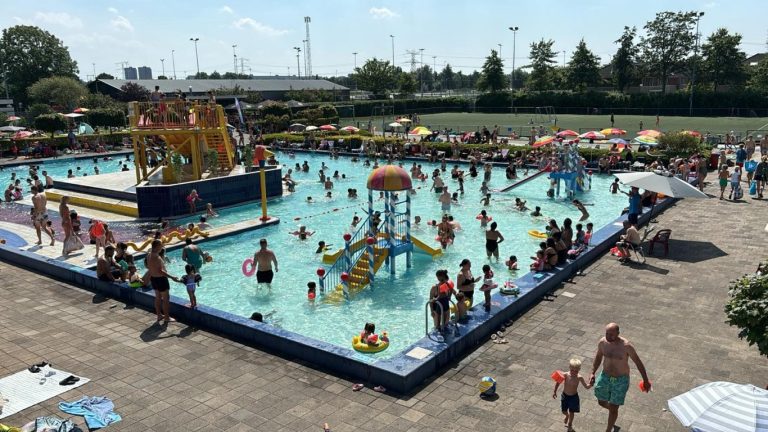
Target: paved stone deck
184	379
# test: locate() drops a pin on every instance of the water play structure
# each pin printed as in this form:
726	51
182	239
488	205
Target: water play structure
377	241
571	172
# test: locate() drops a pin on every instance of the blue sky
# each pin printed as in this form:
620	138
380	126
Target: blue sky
461	33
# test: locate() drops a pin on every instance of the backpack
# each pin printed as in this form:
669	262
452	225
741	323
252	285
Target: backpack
738	193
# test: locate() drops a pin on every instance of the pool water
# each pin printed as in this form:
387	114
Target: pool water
57	168
397	302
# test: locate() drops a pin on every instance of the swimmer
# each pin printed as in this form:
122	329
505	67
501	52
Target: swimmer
486	200
209	210
417	221
483	218
536	212
302	233
455	198
322	247
520	204
584	213
484	188
454	224
311	291
614	187
336	174
511	263
204	225
355	221
309	199
328	194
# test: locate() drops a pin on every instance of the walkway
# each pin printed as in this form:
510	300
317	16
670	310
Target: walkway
185	379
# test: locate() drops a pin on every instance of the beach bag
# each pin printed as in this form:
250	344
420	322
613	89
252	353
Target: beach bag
750	166
753	188
738	193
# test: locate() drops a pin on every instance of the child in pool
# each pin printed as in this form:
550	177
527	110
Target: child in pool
536	212
368	335
209	210
487	286
486	200
191	280
511	263
322	247
483	218
134	280
311	294
520	204
538	261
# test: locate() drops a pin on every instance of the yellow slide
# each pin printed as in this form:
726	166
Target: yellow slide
433	252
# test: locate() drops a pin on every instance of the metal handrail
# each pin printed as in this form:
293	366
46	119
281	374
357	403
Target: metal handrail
175	114
428	314
332	276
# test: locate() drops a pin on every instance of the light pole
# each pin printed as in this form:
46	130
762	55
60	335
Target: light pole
499	50
173	60
306	69
162	62
94	71
355	54
234	57
695	60
421	72
298	54
514	46
563	58
393	49
197	59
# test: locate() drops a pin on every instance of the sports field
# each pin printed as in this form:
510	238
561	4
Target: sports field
582	123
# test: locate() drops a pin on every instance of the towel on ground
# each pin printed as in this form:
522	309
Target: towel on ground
97	411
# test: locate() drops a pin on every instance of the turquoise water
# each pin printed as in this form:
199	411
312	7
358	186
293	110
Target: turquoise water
397	302
58	168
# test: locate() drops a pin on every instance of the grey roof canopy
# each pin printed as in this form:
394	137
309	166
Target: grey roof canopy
205	85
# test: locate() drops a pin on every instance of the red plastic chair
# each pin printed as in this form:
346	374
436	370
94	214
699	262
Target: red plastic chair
662	237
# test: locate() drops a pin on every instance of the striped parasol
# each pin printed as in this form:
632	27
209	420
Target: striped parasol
592	135
653	133
646	140
722	406
420	130
543	141
613	131
389	178
567	133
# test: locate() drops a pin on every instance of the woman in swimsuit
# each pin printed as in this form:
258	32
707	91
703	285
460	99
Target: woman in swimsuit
492	240
466	281
440	299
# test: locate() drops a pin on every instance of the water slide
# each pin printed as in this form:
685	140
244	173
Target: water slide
431	251
525	180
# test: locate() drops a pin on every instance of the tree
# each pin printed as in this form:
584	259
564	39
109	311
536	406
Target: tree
105	117
104	75
214	75
28	54
542	61
723	61
425	78
38	109
446	77
98	100
376	76
62	91
492	78
747	309
406	84
668	42
131	91
759	78
624	61
50	123
583	69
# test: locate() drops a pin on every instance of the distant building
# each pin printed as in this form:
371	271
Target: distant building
145	73
130	73
6	106
753	60
274	89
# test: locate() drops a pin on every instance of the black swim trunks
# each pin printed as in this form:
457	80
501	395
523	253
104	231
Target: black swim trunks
264	276
160	284
570	403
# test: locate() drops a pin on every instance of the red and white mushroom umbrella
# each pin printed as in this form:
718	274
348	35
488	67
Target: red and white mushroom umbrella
592	135
327	127
350	129
567	133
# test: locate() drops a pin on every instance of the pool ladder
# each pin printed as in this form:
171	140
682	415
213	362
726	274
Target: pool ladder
428	315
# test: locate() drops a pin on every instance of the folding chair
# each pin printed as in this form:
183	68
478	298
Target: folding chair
661	237
637	251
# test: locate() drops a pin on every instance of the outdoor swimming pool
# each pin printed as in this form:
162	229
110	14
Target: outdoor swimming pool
57	168
397	302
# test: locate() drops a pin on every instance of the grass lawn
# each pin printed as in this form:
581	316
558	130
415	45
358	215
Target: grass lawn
582	123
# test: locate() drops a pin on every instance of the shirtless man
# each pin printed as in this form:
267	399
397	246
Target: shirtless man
159	276
613	381
264	258
40	215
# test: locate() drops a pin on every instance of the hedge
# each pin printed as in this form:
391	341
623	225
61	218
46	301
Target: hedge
60	141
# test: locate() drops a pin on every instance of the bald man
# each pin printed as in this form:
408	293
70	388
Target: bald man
613	381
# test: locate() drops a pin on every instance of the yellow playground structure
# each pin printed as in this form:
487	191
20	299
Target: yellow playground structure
190	129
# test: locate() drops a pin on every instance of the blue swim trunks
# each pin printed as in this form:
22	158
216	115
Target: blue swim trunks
570	403
611	389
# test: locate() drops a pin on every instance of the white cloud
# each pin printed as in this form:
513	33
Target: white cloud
226	9
121	23
710	5
382	13
113	10
258	27
62	19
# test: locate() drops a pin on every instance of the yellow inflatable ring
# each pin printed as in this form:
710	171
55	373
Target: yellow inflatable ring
537	234
466	302
364	347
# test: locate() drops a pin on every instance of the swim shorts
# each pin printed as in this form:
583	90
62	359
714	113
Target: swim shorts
264	276
611	389
40	218
160	284
723	183
570	403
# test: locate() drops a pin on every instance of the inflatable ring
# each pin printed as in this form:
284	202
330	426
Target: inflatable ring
249	267
366	348
136	284
537	234
466	302
509	288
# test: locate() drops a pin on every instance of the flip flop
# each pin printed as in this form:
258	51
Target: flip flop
33	369
494	337
69	380
357	387
43	364
379	389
